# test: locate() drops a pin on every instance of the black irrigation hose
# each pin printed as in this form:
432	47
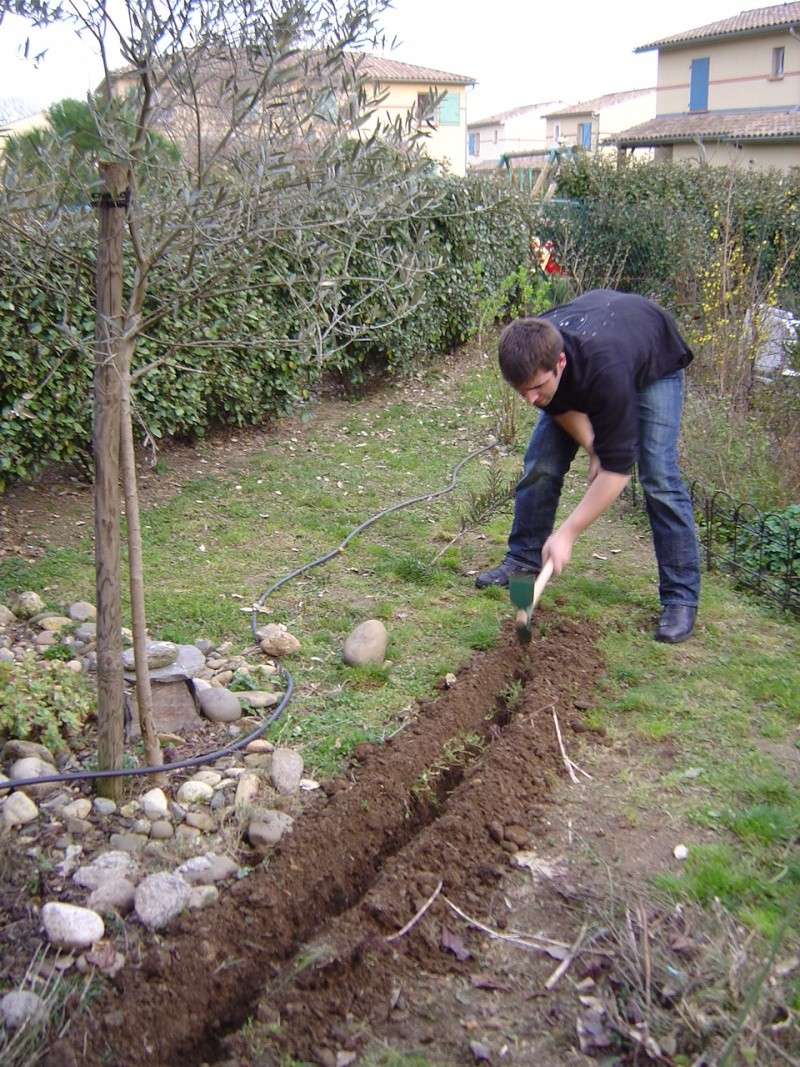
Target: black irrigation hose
275	714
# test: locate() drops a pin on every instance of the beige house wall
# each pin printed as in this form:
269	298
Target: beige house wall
606	123
444	143
740	74
753	156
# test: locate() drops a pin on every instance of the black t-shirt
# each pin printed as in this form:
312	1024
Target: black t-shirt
615	344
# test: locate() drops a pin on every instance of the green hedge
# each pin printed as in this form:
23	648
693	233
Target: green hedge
242	371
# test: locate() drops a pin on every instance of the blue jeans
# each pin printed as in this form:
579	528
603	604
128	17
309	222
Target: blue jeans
669	508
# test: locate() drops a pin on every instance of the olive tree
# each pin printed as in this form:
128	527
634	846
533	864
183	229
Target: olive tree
228	129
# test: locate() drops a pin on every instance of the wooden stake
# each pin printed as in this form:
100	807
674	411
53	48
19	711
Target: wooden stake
106	439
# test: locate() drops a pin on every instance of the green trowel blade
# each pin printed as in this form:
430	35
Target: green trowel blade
520	589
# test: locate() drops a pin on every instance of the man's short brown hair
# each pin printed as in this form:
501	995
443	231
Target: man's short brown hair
528	346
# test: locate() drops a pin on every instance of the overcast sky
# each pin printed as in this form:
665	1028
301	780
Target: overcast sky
519	51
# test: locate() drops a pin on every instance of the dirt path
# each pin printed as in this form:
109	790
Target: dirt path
446	800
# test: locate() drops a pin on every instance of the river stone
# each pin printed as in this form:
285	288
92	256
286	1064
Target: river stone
128	842
275	640
211	778
82	611
161	829
246	789
114	894
201	820
7	656
104	805
7	616
159	654
26	605
54	623
71	927
113	864
78	809
20	1007
33	767
192	792
267	828
45	639
257	698
188	662
86	632
207	869
155	804
220	705
14	750
19	810
160	898
203	896
366	644
286	770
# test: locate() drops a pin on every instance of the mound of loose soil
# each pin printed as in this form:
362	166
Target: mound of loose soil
433	804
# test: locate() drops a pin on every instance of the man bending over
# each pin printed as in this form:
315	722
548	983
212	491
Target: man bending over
607	372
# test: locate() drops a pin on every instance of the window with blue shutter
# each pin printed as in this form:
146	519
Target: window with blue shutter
698	92
450	110
585	135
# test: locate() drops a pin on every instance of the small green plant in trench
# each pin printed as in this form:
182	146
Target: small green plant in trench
456	751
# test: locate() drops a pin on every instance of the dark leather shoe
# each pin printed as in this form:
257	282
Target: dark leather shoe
500	575
676	623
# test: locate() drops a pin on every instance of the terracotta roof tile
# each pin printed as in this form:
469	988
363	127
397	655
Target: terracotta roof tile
753	124
756	20
587	107
392	70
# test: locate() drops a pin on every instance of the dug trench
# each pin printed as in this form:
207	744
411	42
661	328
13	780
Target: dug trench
301	943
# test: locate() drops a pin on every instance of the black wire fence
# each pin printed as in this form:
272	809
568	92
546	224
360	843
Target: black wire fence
760	550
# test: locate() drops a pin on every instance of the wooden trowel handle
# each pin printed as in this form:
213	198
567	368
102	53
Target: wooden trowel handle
545	575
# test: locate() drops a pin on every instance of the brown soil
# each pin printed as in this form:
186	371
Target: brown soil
428	806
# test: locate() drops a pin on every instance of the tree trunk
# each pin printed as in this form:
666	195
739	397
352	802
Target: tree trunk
106	444
144	695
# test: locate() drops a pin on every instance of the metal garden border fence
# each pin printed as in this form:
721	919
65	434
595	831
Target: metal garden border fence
760	550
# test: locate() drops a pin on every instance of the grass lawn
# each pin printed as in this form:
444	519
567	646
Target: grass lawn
727	702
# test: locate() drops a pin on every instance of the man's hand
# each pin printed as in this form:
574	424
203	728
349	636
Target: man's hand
594	468
558	549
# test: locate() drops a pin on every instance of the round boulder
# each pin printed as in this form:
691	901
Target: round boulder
219	705
71	927
366	644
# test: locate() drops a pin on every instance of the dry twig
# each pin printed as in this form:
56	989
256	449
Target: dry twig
552	948
412	922
567	962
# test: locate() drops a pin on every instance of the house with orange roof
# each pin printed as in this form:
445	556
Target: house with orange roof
590	124
520	129
728	93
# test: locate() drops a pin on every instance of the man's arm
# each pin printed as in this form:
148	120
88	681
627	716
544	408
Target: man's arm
578	426
598	498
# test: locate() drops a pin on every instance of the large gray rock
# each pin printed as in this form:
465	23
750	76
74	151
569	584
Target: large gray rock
26	605
366	644
160	898
220	705
20	1007
71	927
286	770
188	662
7	616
